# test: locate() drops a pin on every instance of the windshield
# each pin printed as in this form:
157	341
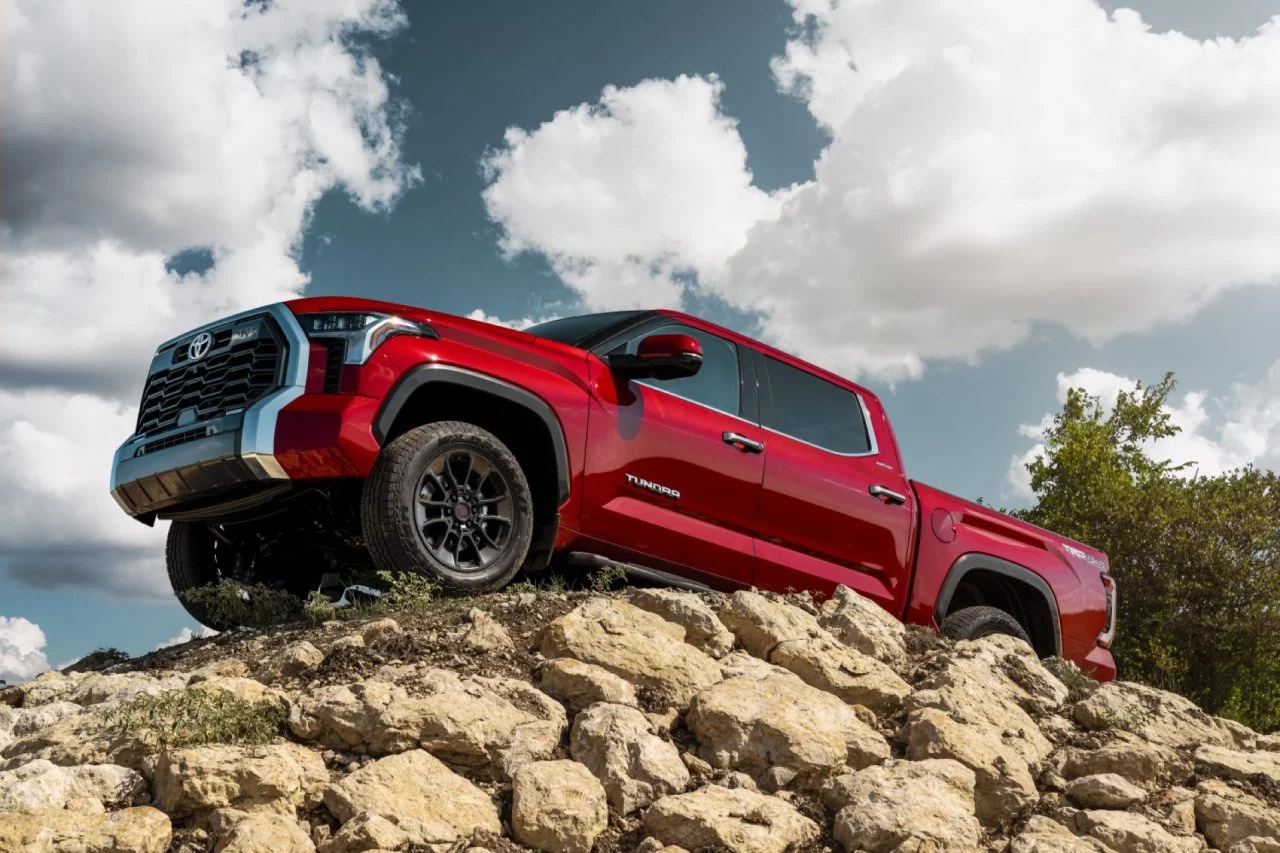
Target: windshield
575	330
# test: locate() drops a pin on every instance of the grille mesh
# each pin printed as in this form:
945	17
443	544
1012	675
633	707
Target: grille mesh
229	377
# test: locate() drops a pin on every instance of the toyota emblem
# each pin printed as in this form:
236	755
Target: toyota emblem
199	346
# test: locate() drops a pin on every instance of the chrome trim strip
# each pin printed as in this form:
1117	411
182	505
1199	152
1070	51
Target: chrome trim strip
696	403
866	419
258	434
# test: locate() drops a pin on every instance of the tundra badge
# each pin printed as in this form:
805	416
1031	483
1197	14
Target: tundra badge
656	488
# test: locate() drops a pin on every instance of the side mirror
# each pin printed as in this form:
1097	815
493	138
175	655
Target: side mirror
660	357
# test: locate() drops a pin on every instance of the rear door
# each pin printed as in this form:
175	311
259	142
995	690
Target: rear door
833	509
673	467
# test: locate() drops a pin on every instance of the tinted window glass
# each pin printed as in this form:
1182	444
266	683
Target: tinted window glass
813	410
575	330
715	385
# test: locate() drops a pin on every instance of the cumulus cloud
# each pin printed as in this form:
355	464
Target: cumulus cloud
133	133
522	323
991	165
21	649
631	196
186	635
1215	436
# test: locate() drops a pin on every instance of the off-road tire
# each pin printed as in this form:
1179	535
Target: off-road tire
970	623
387	505
188	555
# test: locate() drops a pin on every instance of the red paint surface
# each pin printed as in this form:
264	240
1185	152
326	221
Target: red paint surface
792	517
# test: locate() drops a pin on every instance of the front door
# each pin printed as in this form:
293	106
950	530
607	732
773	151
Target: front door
673	468
832	510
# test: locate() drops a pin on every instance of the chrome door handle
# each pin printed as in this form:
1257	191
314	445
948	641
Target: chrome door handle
746	445
889	496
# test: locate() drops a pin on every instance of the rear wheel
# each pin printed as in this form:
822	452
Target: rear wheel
449	500
970	623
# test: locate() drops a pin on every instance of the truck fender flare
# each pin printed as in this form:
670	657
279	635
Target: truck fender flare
985	562
424	374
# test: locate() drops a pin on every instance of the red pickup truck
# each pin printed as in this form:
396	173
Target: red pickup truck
321	435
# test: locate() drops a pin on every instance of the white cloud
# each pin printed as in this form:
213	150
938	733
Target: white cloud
992	165
522	323
1244	431
629	196
186	635
21	649
132	133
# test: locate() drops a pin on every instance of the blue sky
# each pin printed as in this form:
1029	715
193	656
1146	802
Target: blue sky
407	219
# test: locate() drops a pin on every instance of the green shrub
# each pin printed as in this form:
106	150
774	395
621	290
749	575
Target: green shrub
406	591
194	717
608	577
229	602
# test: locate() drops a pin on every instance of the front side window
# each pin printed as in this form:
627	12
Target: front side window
814	410
716	384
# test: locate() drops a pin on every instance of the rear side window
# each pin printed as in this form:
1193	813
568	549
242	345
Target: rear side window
813	410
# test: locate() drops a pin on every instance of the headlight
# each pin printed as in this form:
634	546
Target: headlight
361	331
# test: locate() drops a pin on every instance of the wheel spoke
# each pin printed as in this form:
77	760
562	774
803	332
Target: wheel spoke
426	502
501	519
457	547
437	520
466	478
491	501
493	543
435	478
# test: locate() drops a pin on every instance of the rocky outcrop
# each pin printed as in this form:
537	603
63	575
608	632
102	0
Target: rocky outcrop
634	644
618	745
416	792
733	819
557	806
699	721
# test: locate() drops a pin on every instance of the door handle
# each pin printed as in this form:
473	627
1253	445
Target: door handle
889	496
746	445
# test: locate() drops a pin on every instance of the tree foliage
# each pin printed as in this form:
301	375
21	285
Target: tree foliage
1196	558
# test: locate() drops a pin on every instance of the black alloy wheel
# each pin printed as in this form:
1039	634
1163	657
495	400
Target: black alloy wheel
464	510
448	500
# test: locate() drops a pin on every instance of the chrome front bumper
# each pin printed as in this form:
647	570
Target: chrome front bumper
199	461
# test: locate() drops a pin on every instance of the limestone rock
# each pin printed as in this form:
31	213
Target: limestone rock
1128	832
259	832
1104	791
84	738
419	794
1231	764
1042	835
906	805
739	820
864	625
293	660
350	641
1256	844
138	830
366	831
760	623
20	722
486	634
381	630
41	784
636	767
278	776
579	684
1128	756
702	627
466	722
1268	743
1227	816
829	665
557	806
639	646
1156	715
757	725
1005	785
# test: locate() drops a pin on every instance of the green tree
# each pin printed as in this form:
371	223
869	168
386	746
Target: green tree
1196	558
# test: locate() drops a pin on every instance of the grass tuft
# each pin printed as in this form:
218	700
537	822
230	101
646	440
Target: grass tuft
194	717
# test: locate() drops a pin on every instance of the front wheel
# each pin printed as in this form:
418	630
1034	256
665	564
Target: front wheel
970	623
450	501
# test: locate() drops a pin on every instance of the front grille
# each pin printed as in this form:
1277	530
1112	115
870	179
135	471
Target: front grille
233	375
173	440
336	352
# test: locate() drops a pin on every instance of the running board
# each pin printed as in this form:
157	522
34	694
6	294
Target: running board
595	561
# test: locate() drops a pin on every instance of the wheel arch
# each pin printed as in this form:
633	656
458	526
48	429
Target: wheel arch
519	418
1025	595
